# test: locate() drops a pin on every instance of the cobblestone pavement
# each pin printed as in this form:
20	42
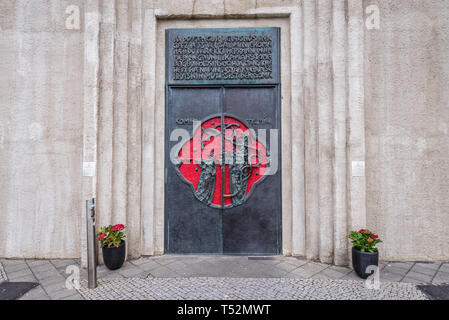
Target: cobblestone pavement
51	274
247	289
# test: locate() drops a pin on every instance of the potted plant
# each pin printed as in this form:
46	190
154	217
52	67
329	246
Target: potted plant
112	245
364	251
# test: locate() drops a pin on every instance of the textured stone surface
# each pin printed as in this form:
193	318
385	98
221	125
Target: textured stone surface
407	117
246	289
41	130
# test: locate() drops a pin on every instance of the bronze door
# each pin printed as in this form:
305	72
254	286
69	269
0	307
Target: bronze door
223	180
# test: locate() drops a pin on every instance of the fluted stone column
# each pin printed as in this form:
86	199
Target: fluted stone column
120	132
297	136
356	115
106	115
148	133
312	167
134	153
91	65
325	130
339	43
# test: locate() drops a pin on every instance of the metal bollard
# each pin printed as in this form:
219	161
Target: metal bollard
91	245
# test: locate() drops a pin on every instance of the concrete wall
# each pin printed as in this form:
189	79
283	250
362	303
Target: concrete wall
407	128
41	130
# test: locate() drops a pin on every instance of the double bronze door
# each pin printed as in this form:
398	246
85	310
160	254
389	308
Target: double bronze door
223	179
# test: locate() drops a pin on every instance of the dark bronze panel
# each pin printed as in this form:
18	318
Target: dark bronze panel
191	226
255	225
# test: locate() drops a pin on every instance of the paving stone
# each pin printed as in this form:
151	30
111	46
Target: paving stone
63	263
12	262
178	266
241	262
167	259
148	266
52	280
272	272
19	274
25	278
382	264
298	273
42	275
392	269
385	275
330	274
129	270
43	268
193	259
163	272
426	268
429	265
15	267
323	276
295	261
269	262
413	280
54	287
400	265
61	294
444	267
76	296
37	293
288	267
140	261
415	277
441	277
110	275
313	268
35	263
343	270
353	276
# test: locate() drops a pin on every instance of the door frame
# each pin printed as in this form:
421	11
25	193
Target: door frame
153	121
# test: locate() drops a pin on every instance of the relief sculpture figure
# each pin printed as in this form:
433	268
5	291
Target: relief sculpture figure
206	183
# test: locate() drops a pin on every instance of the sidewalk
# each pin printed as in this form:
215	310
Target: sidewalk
224	277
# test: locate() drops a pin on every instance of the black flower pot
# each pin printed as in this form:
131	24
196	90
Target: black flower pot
114	257
361	260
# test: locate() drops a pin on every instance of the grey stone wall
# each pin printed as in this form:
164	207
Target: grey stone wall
41	130
407	128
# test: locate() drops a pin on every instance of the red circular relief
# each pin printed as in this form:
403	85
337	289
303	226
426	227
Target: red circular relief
245	162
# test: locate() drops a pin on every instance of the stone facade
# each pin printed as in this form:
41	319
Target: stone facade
350	95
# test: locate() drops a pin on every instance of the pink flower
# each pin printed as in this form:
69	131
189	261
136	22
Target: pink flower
118	227
102	236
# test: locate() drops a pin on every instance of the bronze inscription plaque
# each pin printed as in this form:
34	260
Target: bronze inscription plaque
221	56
